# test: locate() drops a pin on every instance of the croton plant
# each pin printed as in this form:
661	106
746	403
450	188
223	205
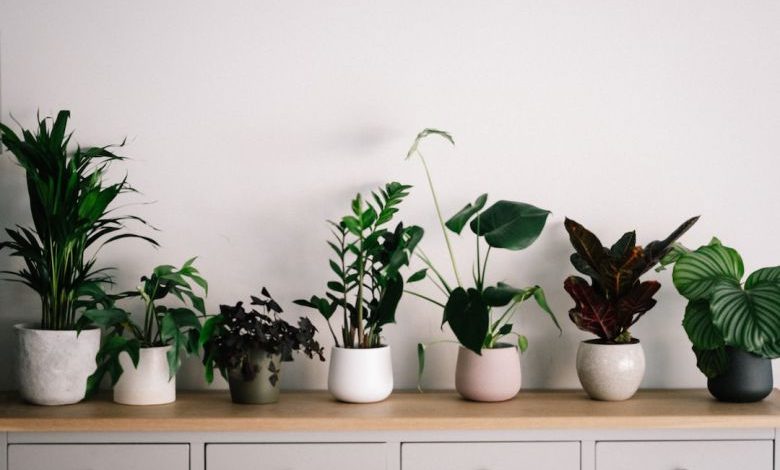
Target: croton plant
615	299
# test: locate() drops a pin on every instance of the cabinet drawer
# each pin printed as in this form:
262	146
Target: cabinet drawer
296	457
98	456
491	456
685	455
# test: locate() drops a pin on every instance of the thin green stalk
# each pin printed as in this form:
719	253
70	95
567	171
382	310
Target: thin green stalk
425	298
441	219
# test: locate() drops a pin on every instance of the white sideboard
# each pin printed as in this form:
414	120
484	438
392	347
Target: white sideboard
656	430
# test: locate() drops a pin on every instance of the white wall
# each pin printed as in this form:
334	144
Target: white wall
251	122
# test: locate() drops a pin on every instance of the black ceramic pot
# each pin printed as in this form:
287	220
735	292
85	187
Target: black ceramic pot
747	379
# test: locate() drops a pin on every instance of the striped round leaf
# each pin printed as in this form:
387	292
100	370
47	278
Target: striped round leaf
698	324
748	319
696	273
762	276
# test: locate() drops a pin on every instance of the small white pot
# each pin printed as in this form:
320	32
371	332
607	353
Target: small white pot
53	365
492	376
610	372
360	375
149	384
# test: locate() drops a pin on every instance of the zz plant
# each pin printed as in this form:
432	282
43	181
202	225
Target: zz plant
369	255
163	325
468	310
615	299
73	218
723	310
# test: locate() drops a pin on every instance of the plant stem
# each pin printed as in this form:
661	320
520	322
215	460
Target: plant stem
441	219
424	297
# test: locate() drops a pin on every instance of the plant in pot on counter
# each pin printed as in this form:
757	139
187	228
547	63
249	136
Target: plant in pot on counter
248	348
369	256
488	369
73	217
734	326
142	359
612	366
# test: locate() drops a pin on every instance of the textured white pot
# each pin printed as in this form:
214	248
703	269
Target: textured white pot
53	365
360	375
610	372
148	384
492	376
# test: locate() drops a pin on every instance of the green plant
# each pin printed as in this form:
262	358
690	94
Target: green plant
178	327
616	299
229	338
369	257
72	214
722	310
468	310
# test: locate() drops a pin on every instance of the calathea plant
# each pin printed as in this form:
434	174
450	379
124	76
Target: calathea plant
163	325
369	255
615	299
228	339
71	207
469	311
723	310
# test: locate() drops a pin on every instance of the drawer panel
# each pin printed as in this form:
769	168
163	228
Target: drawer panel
685	455
98	456
491	456
296	456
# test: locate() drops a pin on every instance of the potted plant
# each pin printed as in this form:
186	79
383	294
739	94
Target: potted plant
488	369
142	360
72	210
734	326
368	258
612	366
248	348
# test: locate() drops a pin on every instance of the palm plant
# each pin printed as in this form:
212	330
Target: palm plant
72	216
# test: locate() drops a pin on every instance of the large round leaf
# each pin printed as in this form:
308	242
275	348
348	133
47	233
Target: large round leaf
697	272
511	225
749	319
698	324
468	316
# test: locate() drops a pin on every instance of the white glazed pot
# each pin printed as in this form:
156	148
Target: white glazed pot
610	372
492	376
149	384
53	365
360	375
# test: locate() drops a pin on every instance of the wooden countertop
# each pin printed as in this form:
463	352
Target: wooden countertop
317	411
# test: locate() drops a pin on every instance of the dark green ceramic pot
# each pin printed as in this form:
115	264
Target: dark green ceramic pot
260	390
747	379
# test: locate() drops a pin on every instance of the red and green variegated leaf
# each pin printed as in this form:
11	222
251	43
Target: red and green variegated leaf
618	276
698	323
586	244
592	312
748	319
696	273
636	303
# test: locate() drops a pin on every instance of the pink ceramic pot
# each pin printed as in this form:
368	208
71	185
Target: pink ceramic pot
492	376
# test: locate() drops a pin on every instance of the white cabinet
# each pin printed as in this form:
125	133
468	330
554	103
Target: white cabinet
491	456
294	456
98	456
685	455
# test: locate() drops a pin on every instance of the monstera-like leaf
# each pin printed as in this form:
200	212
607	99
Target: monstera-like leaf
510	225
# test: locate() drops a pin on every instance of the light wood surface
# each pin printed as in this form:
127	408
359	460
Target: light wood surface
317	411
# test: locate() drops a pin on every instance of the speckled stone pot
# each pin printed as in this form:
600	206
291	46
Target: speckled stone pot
492	376
53	365
610	372
148	384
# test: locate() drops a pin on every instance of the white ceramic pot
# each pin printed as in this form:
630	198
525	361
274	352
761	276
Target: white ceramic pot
53	365
149	384
492	376
610	372
360	375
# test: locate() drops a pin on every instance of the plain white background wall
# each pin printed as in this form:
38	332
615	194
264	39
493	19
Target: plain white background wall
251	122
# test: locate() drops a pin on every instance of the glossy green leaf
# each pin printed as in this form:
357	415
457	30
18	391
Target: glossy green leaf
468	317
418	276
522	343
712	362
510	225
747	318
699	326
696	273
459	220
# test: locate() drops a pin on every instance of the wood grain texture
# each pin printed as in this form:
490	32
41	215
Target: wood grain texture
317	411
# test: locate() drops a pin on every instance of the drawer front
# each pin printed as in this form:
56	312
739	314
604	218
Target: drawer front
296	457
685	455
491	456
98	456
